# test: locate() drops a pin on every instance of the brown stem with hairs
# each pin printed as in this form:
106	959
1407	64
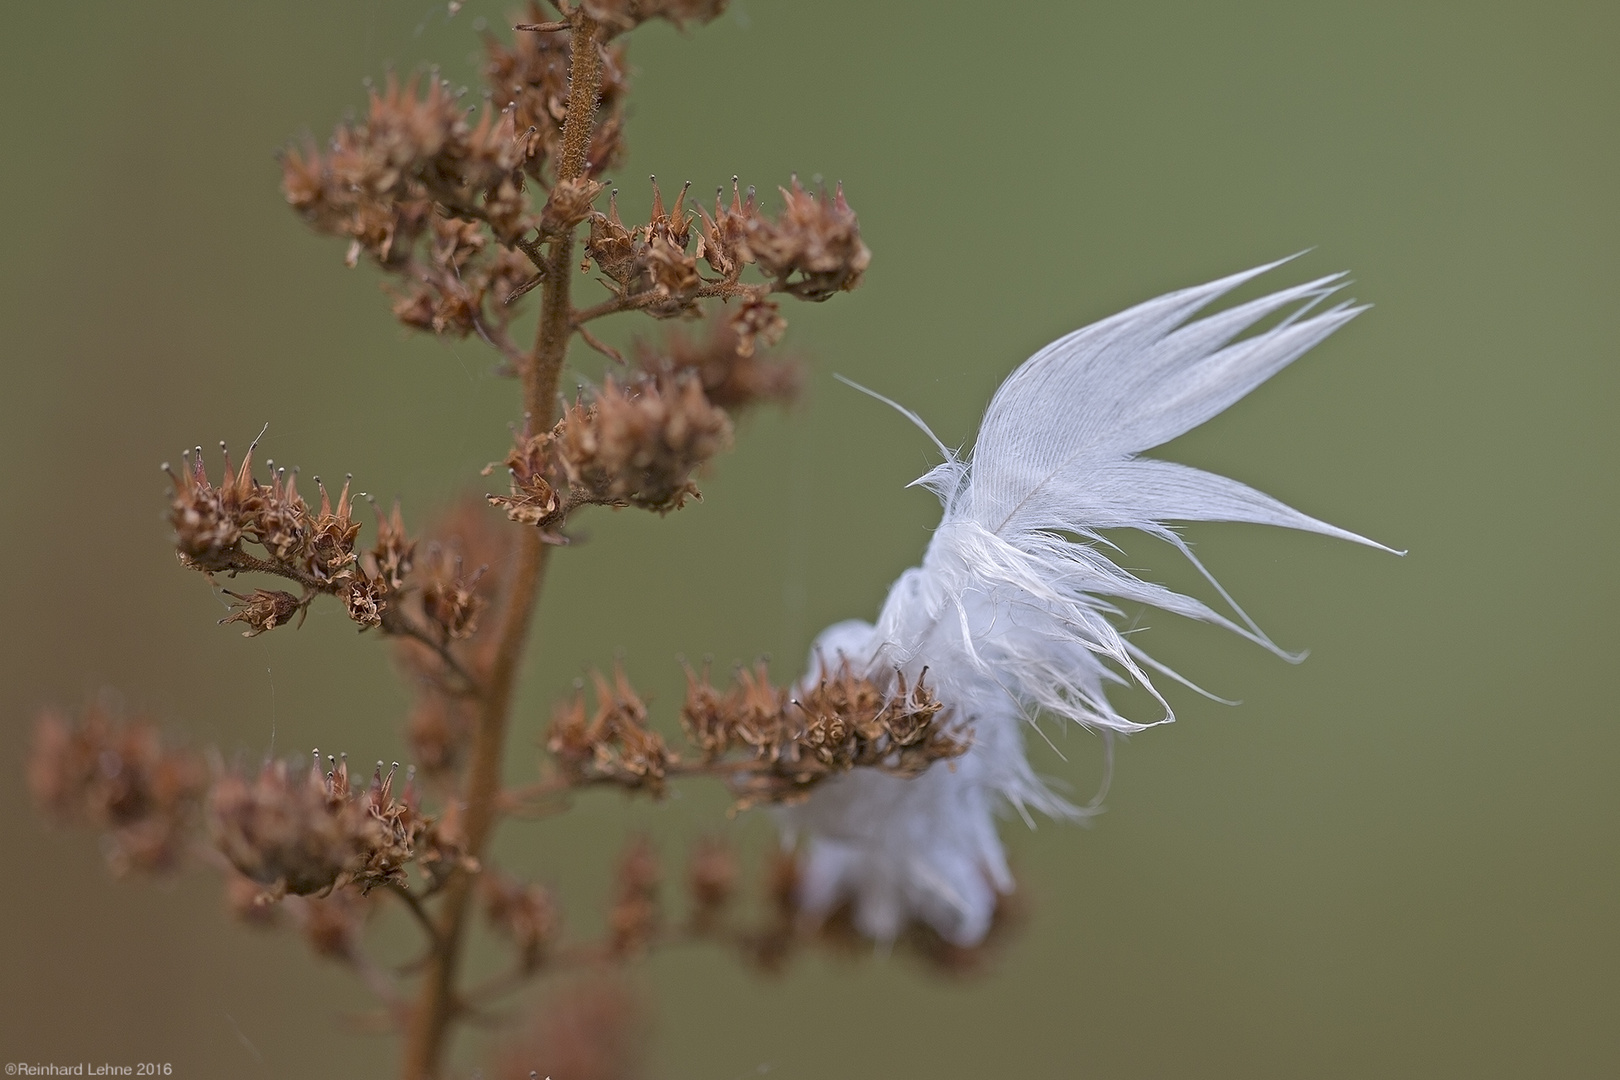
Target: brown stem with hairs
436	1005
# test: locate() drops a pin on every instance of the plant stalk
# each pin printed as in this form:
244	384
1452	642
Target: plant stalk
437	1004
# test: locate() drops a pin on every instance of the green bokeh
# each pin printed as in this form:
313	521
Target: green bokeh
1396	859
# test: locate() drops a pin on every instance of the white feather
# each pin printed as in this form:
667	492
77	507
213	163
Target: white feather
1012	610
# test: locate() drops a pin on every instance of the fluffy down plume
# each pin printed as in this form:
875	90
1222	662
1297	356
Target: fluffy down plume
1013	608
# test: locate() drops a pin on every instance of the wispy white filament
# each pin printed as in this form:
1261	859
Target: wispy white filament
1012	610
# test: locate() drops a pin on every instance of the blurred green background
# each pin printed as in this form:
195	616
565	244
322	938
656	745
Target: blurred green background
1399	858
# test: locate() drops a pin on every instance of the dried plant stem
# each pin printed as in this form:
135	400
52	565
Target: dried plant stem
436	1006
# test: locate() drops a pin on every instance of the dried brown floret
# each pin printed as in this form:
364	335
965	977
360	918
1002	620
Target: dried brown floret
843	722
633	920
394	553
568	204
611	246
332	532
306	832
711	879
728	365
525	913
814	248
207	520
450	597
366	599
276	517
612	744
439	731
638	444
262	609
116	775
723	242
535	476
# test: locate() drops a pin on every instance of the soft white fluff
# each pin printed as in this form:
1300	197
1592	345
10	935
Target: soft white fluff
1011	608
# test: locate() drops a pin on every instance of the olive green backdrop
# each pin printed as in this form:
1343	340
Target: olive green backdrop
1396	859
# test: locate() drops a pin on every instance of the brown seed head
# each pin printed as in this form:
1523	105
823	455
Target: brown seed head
262	610
116	775
726	361
614	743
394	553
633	921
525	913
306	831
814	248
568	204
711	877
450	597
638	444
285	827
723	240
330	556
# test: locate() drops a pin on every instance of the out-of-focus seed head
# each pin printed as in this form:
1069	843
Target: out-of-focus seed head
282	828
394	553
589	1031
711	878
450	596
440	730
527	914
307	831
633	920
332	924
117	775
726	360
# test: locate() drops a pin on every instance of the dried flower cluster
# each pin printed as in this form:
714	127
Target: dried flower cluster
307	831
524	913
766	746
633	445
116	775
726	360
812	250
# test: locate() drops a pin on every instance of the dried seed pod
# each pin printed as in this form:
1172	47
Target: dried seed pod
261	610
638	444
525	913
732	372
814	248
118	776
711	878
633	920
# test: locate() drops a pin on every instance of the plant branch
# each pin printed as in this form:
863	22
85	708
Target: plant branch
637	301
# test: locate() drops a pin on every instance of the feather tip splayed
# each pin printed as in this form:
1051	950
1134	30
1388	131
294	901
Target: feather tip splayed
1014	609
